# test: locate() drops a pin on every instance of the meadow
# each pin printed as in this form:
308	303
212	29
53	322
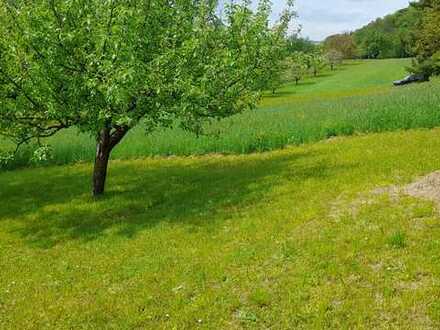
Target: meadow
308	236
287	239
356	98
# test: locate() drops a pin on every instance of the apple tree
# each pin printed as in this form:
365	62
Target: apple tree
106	66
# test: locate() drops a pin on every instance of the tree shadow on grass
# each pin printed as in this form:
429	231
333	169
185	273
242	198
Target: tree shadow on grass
353	62
49	206
324	74
280	93
292	91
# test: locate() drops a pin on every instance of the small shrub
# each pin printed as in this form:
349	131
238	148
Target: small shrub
6	159
42	154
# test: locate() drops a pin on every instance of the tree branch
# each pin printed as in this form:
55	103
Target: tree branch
109	26
20	88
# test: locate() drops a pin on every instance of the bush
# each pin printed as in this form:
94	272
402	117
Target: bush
6	159
42	154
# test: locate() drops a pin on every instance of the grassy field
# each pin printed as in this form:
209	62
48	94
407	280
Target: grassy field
287	239
357	98
310	236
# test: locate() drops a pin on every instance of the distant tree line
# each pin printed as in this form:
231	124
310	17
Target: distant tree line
410	32
390	37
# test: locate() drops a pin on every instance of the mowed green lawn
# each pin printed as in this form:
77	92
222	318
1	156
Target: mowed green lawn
287	239
356	98
353	78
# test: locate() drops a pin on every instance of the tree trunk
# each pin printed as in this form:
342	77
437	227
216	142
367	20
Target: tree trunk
106	141
101	162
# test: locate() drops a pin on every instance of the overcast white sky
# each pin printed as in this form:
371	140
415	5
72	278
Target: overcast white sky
321	18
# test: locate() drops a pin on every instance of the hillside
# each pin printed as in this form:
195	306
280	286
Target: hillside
302	238
200	165
392	36
330	234
357	98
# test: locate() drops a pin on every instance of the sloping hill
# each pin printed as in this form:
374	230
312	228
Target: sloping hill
357	98
309	237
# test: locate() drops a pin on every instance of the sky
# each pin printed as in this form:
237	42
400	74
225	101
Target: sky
321	18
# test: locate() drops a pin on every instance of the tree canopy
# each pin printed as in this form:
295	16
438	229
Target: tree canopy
428	38
410	32
341	43
388	37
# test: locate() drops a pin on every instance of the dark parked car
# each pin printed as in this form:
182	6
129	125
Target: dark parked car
413	78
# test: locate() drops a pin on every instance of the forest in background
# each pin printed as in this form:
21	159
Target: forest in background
412	32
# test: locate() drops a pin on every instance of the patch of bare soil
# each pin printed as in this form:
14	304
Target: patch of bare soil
427	187
344	206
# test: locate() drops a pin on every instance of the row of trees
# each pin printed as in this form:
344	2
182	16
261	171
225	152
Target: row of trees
300	64
105	66
306	57
301	57
334	49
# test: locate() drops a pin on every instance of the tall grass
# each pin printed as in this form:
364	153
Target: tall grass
312	112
